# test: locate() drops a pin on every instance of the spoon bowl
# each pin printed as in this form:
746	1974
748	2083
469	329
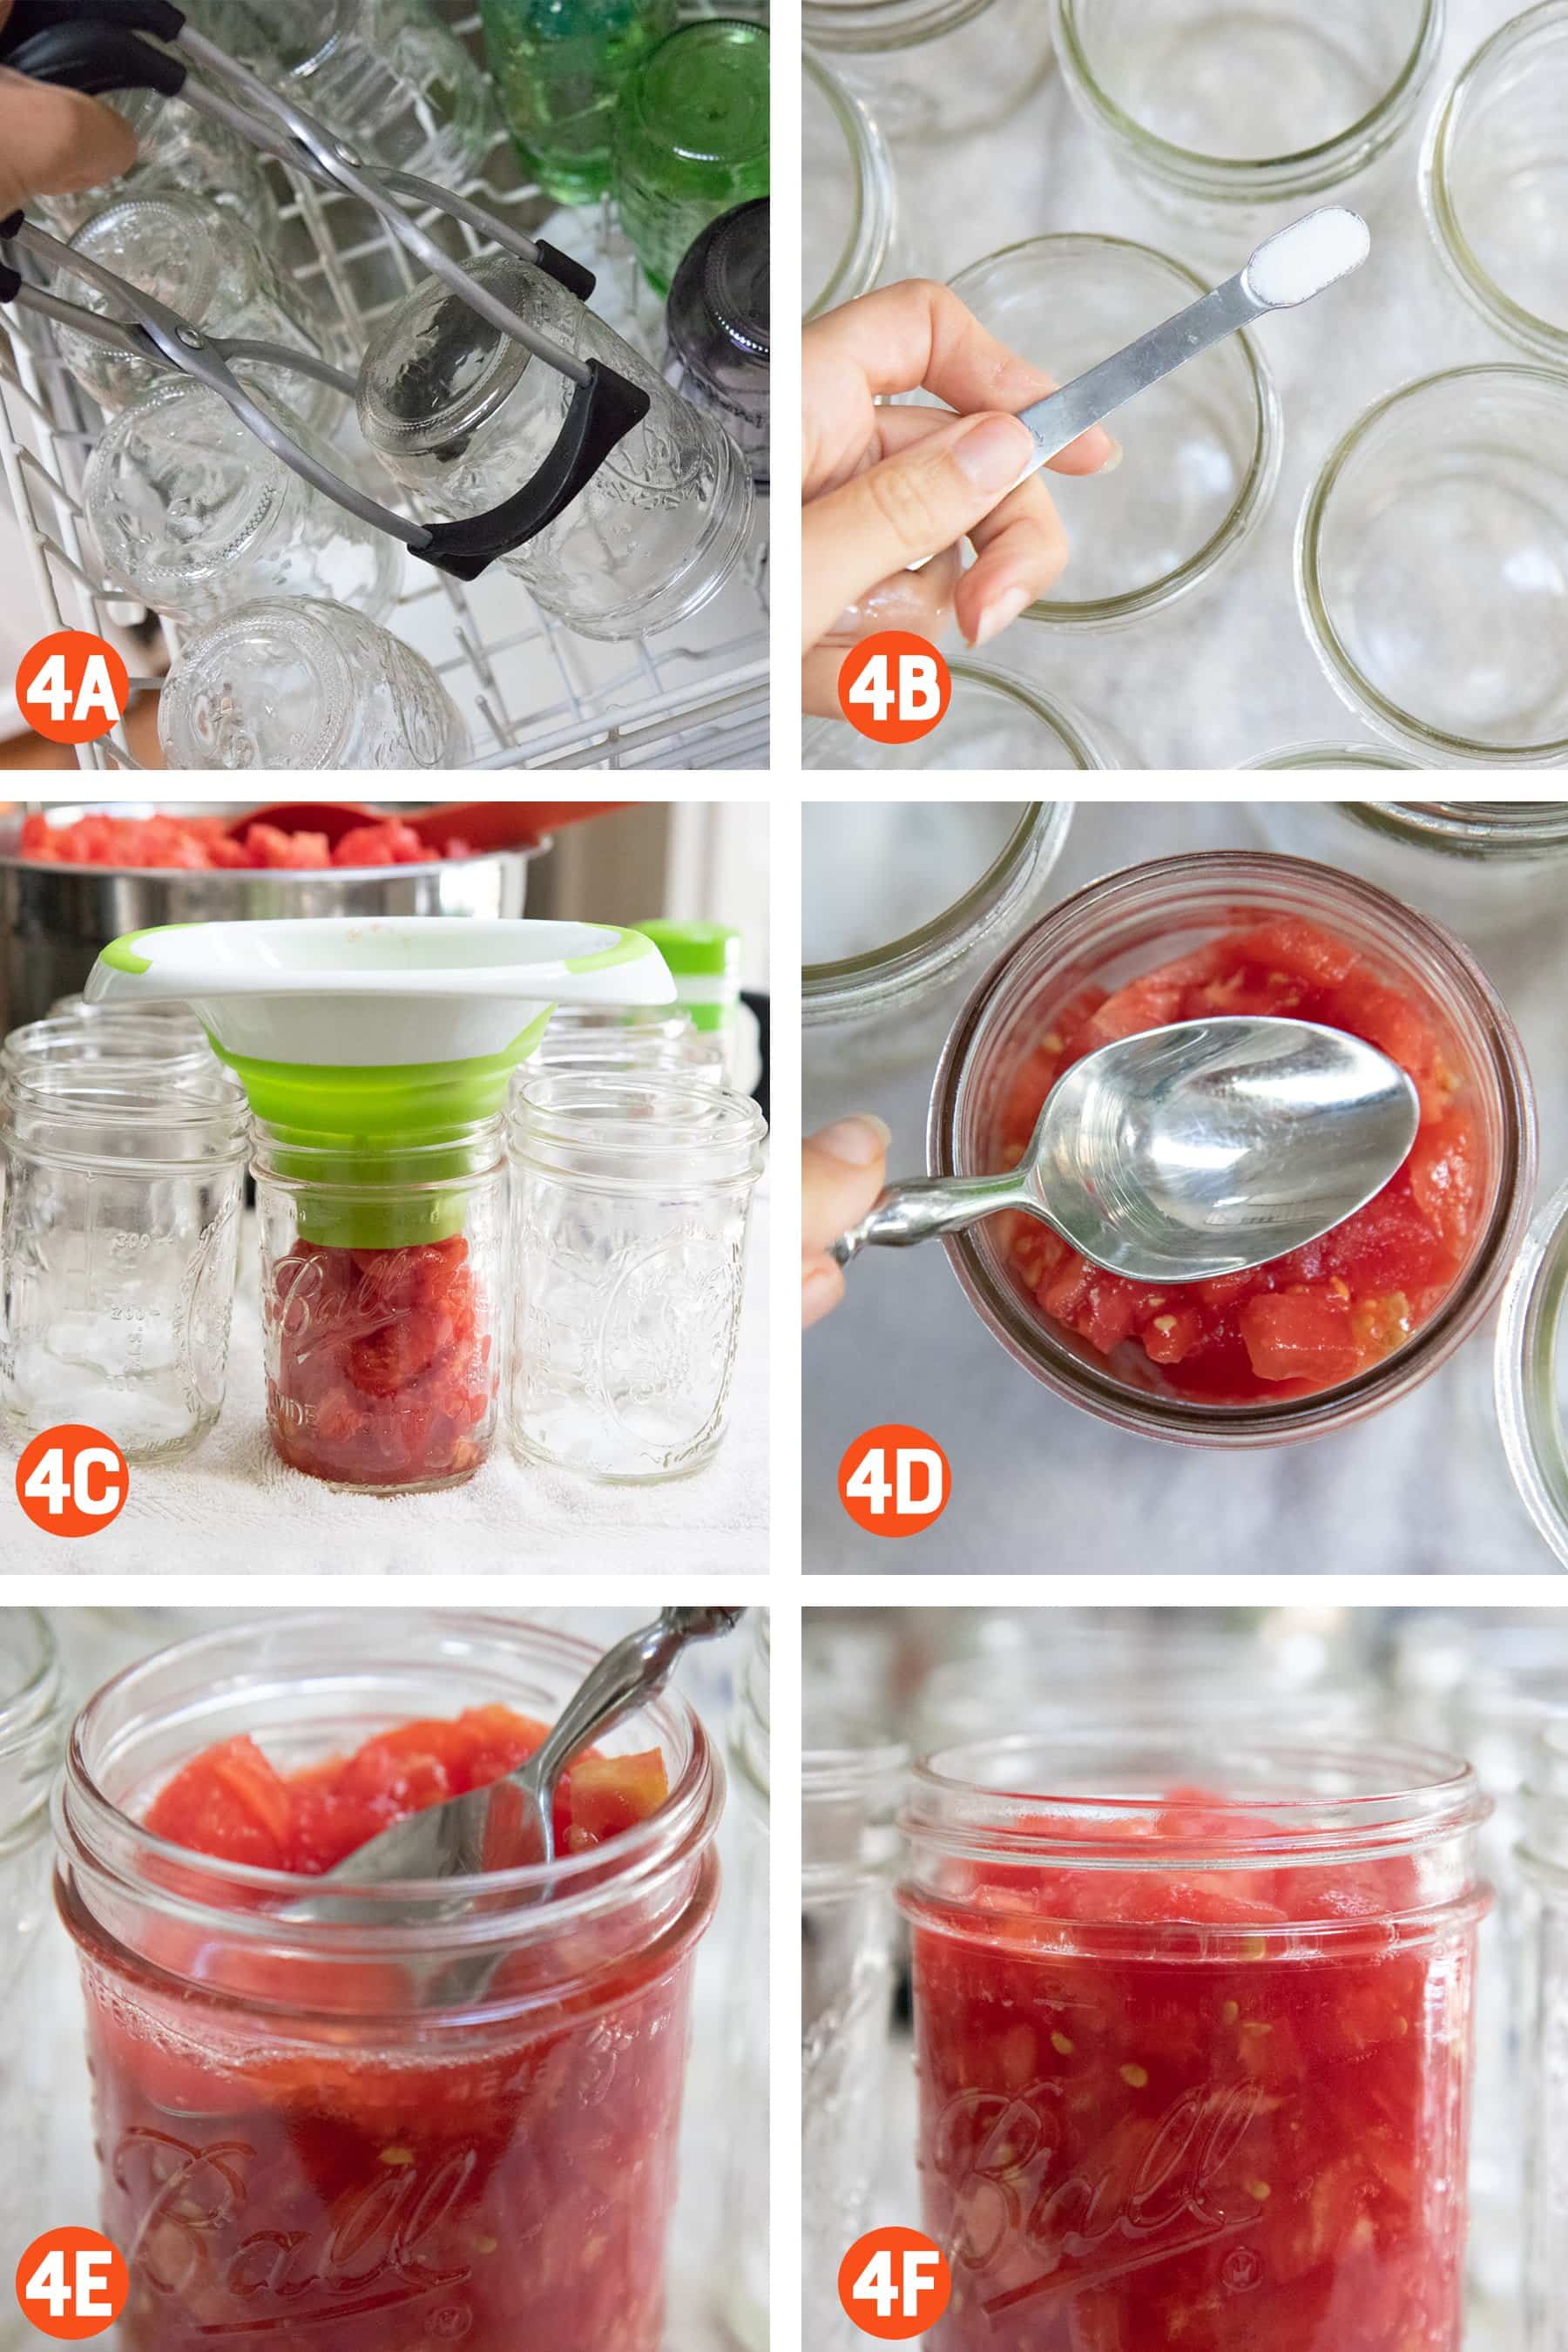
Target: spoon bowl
1185	1153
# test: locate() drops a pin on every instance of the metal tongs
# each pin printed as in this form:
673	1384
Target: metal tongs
96	48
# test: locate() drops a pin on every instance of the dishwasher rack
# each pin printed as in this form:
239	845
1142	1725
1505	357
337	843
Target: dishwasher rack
535	694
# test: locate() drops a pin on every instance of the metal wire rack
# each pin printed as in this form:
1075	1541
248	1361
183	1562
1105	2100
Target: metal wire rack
535	694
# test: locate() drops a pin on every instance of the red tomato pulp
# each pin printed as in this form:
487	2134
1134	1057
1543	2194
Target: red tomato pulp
204	845
381	1367
308	2158
1162	2110
1325	1313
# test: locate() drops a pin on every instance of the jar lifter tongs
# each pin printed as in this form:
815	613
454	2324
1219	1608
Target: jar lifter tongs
96	49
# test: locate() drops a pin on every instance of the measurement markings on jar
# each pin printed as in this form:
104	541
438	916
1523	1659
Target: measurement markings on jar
72	1480
73	2284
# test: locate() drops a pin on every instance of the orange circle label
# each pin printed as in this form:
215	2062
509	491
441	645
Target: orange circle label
894	2284
72	1480
72	687
894	1480
72	2283
894	688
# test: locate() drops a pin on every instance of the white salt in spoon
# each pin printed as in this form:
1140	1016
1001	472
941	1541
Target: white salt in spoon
1295	267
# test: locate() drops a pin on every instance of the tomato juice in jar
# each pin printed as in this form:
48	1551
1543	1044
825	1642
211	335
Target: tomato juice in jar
437	2115
1329	1333
1193	2033
384	1266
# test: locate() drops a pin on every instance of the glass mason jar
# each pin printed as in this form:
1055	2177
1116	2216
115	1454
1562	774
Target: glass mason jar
294	682
206	263
690	137
1227	113
123	1042
178	151
1543	1859
851	221
719	328
745	2294
385	76
559	66
631	1199
1317	757
871	1002
193	514
1490	181
1193	2034
1408	986
993	722
1530	1373
32	1743
383	1274
1448	504
850	1795
118	1241
446	2117
669	1048
1200	471
1482	866
870	24
170	1016
463	416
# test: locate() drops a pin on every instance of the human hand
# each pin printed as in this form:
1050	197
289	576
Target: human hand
53	142
842	1169
887	487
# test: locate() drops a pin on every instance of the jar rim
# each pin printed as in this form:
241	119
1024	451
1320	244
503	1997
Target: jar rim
1055	716
1236	874
1257	487
1530	1334
195	252
575	1108
869	232
1344	673
503	369
515	1906
896	21
859	1762
1319	757
26	1704
1307	168
1545	338
854	984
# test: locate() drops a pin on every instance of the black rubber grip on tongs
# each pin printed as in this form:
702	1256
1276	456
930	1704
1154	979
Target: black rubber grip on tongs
602	412
27	17
98	60
573	275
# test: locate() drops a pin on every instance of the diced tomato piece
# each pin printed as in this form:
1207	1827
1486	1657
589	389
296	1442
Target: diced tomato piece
228	1803
1446	1176
1152	1003
1297	1335
607	1795
1300	948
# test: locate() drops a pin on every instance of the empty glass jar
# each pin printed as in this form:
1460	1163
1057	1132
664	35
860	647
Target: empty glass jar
1433	567
1225	109
463	416
871	24
205	263
559	66
630	1204
690	139
193	513
177	150
663	1043
32	1744
1531	1375
1202	465
851	215
117	1039
291	682
1492	181
384	1272
1482	866
850	1788
1315	758
992	722
117	1244
719	328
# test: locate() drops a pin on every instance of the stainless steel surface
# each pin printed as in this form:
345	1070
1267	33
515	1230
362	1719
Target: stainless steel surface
1185	1154
508	1824
1057	423
54	920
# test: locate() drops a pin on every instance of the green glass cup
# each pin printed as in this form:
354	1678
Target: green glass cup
559	66
692	137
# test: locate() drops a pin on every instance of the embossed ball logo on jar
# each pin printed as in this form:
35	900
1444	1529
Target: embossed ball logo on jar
666	1373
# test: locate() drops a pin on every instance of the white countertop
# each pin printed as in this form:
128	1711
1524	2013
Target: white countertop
1041	1487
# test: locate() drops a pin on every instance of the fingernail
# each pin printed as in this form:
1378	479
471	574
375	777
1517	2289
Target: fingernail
821	1289
857	1142
994	455
1117	455
1001	613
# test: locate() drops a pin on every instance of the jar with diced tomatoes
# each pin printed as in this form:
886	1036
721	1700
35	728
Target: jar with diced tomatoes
435	2113
1193	2035
1309	1342
383	1286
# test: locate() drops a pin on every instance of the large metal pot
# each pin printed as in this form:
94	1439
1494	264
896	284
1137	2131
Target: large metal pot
54	920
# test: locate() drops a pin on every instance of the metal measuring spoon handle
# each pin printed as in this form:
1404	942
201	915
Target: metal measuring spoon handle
923	1212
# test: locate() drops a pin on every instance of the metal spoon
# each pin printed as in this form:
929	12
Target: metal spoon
509	1823
1188	1152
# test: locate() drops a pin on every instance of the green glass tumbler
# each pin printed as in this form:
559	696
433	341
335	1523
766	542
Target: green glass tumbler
558	66
692	137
